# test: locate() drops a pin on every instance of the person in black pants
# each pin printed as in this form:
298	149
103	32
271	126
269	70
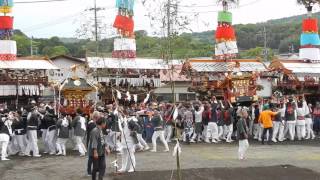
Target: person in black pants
90	126
97	149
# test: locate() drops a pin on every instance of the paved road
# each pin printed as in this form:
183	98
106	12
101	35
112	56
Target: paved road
301	154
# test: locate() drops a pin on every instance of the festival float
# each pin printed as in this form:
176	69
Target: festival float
21	78
75	93
302	75
124	73
224	76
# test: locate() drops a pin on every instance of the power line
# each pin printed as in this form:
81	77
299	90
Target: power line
214	11
40	1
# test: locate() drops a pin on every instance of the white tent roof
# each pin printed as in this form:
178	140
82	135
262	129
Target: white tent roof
310	68
27	64
137	63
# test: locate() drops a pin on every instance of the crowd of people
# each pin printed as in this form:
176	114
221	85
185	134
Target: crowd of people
114	128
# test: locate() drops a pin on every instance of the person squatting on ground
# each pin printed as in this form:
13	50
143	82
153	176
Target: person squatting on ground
242	134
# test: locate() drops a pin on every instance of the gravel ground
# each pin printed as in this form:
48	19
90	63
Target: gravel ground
217	161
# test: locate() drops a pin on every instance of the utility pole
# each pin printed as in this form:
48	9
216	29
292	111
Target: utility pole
31	46
265	43
95	10
265	49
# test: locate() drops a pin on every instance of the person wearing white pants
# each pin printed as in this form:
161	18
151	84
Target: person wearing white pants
32	126
5	133
50	119
128	143
79	125
290	118
278	126
158	132
63	126
302	111
168	131
198	123
242	134
212	132
229	119
309	123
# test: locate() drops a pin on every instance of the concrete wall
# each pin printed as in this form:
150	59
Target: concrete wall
180	88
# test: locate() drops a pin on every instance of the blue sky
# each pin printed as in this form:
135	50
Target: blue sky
64	18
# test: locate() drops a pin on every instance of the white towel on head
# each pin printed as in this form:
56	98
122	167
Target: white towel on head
118	94
135	98
65	122
146	99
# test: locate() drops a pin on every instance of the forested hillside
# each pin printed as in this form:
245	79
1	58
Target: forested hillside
281	34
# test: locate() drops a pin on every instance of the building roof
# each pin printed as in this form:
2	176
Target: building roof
81	60
28	63
79	84
245	65
137	63
297	66
167	75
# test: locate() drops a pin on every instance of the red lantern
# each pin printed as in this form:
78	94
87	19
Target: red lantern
6	22
225	32
310	25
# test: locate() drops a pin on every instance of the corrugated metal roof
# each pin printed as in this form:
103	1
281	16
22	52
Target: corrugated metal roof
137	63
226	66
27	64
312	68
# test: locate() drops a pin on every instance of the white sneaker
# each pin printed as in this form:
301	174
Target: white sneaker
131	170
82	155
37	155
207	142
146	148
274	140
153	150
52	153
4	159
192	141
214	141
58	154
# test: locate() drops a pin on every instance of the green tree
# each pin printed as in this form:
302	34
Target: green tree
257	53
23	44
55	51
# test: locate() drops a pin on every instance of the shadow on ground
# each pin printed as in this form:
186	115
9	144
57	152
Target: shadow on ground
284	172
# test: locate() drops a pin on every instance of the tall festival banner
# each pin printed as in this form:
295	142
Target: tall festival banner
309	39
125	45
226	43
8	47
